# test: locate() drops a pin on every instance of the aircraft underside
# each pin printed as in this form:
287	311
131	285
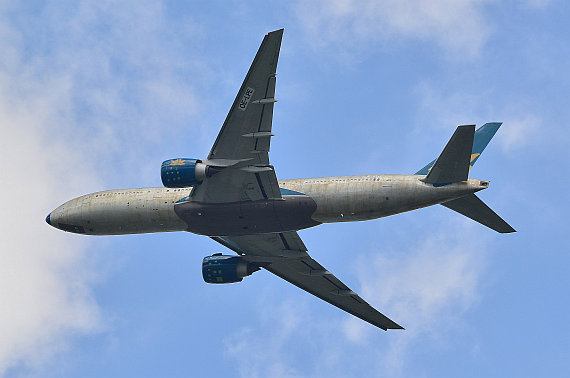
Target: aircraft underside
234	197
310	202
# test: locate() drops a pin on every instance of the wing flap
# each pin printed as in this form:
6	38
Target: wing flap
252	109
262	144
238	183
309	275
285	255
245	136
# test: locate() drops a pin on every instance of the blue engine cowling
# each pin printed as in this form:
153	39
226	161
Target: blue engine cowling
182	173
221	269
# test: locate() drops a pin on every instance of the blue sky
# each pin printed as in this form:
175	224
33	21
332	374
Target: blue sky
95	95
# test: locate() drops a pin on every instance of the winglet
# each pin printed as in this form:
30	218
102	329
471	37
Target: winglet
452	165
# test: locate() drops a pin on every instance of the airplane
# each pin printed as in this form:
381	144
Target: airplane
234	197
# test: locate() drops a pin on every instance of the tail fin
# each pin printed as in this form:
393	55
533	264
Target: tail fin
452	165
472	207
483	136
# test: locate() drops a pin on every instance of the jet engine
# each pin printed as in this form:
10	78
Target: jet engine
181	173
220	268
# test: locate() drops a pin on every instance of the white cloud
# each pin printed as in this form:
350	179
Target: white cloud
286	333
445	110
426	286
426	289
129	74
77	88
521	130
458	26
44	276
266	357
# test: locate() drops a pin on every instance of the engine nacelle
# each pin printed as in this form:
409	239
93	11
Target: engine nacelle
182	173
221	269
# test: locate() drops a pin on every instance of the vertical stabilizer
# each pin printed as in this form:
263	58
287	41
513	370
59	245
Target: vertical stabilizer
452	165
483	136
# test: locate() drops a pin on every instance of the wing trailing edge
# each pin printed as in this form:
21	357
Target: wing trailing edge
285	255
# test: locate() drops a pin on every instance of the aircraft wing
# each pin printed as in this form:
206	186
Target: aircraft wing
285	255
241	150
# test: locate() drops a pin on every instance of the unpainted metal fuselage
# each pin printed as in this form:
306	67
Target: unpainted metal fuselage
306	203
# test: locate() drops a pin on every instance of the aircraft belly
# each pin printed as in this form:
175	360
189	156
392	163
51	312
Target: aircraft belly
249	217
358	201
134	219
119	212
358	198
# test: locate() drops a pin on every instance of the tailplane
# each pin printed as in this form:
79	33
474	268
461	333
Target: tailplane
454	164
472	207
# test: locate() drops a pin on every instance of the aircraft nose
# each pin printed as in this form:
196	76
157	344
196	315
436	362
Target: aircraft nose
48	221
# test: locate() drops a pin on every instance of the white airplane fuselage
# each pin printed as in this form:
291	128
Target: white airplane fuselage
306	203
234	197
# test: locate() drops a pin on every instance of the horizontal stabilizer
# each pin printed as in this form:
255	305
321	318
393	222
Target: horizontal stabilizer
452	165
472	207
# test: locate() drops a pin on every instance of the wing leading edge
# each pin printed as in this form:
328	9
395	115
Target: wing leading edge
246	131
285	255
241	150
240	155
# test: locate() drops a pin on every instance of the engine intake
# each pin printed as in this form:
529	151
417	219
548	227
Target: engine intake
219	269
